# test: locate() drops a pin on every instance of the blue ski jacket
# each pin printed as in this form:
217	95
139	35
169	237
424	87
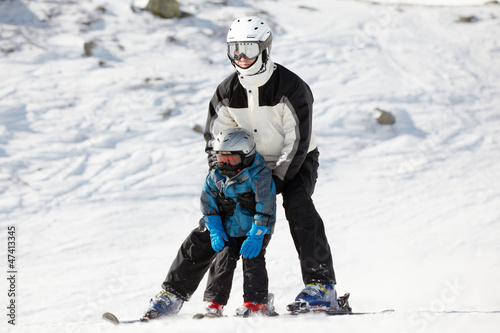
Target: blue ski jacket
256	178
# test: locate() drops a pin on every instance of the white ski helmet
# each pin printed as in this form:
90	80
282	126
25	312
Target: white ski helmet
235	150
251	37
235	139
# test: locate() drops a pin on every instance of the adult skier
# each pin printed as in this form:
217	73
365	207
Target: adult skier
276	105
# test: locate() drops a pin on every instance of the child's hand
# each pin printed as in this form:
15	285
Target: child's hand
253	244
217	234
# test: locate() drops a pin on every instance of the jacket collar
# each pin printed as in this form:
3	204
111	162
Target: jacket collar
257	80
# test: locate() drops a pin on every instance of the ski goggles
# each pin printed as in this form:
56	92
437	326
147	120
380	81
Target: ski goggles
232	159
249	50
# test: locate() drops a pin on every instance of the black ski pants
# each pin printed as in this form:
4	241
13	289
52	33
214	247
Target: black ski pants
306	226
220	275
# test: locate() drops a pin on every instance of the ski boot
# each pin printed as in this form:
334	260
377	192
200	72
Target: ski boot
163	304
213	310
314	297
249	308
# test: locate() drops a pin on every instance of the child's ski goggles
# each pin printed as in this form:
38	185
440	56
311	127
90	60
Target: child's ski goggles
233	159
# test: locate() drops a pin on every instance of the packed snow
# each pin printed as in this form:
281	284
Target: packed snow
102	160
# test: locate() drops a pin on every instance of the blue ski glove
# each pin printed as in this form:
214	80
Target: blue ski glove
253	244
217	234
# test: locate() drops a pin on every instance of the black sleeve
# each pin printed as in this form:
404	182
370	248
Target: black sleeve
220	100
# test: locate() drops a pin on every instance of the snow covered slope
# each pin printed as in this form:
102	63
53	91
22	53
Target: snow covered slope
101	168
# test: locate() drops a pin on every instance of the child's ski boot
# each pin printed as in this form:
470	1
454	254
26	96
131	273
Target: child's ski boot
214	309
250	308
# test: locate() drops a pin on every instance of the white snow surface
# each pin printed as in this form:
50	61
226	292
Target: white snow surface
101	170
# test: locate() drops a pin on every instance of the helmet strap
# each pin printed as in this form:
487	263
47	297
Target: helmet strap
264	56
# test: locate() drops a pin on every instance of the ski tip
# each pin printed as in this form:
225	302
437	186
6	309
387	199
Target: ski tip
207	315
108	316
199	316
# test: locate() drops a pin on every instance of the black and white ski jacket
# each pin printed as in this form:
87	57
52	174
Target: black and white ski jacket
276	106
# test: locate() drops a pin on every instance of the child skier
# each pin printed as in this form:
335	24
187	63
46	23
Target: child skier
239	206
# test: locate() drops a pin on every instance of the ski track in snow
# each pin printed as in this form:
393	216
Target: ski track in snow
101	170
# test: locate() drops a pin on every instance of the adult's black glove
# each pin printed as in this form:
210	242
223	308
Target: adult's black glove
247	201
226	205
280	185
212	162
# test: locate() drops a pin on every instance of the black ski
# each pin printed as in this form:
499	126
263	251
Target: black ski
111	318
345	309
302	307
334	313
338	313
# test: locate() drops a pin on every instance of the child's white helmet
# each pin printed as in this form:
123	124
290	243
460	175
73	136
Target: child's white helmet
234	149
